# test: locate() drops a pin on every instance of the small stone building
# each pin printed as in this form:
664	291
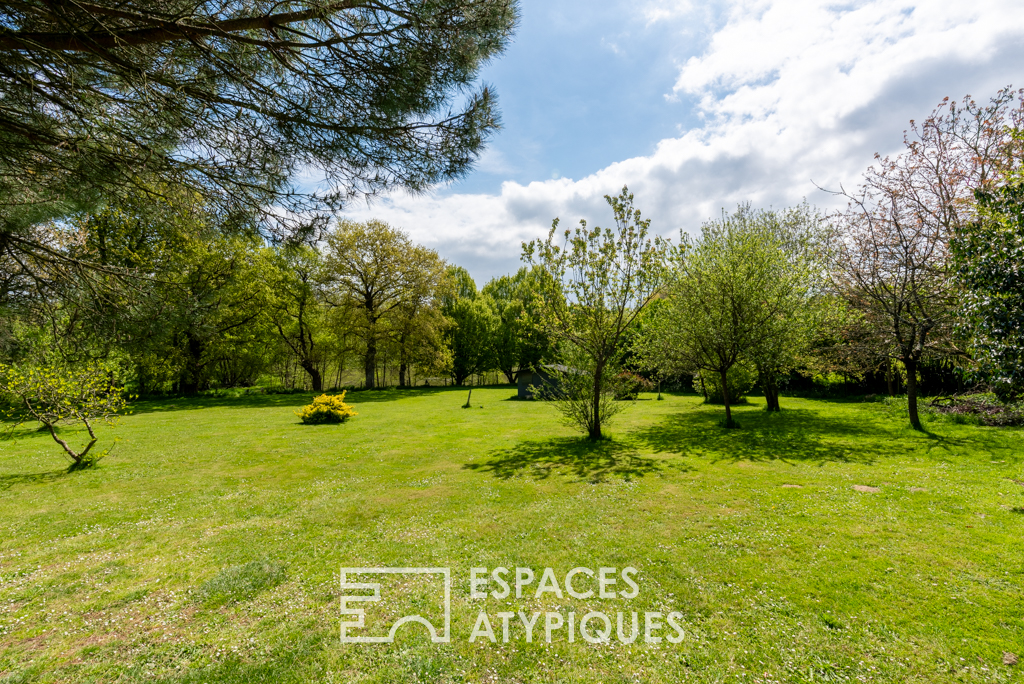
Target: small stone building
538	378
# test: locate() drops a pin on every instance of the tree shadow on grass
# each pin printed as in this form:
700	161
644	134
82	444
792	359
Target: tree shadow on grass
793	435
586	460
8	481
258	400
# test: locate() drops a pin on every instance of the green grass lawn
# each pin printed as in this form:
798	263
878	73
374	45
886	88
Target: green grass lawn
208	546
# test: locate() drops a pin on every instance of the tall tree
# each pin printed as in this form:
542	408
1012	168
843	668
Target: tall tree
418	325
233	101
600	281
988	255
892	259
294	277
726	296
471	325
375	270
519	342
801	307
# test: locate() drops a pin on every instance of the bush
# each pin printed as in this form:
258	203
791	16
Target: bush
977	409
741	379
326	409
628	386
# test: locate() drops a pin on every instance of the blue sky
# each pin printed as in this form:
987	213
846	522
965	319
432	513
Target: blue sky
582	86
700	107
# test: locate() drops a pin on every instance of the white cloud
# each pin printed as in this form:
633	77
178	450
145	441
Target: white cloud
666	10
788	92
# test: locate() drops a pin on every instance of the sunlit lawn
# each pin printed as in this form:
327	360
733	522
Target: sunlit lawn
207	547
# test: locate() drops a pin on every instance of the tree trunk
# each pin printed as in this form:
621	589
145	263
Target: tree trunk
703	387
725	397
370	363
403	370
771	393
915	419
889	377
315	378
595	420
191	380
510	376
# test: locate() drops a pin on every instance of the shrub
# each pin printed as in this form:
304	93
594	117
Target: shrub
977	409
326	409
741	379
628	386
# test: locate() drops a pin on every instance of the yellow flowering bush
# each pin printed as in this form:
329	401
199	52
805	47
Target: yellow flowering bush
326	409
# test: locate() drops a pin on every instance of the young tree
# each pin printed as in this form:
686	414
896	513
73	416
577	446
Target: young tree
471	325
599	281
892	260
58	395
727	295
376	271
988	256
519	342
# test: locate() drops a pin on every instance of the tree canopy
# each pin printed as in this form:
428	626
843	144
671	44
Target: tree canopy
234	101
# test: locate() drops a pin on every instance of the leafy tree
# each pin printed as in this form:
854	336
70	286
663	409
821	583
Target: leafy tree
377	272
988	255
892	260
103	99
727	295
607	277
418	326
212	305
57	394
472	325
294	274
519	342
800	306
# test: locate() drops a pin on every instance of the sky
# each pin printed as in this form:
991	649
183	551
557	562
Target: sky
698	107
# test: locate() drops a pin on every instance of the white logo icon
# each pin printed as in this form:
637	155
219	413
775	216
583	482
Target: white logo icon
355	617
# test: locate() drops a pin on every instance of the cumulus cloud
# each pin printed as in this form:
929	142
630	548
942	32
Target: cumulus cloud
789	94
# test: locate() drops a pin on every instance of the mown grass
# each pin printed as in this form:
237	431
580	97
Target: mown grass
207	547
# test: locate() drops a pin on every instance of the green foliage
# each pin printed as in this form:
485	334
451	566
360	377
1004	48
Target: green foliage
60	395
740	379
737	293
988	256
597	282
389	288
198	322
372	96
472	325
582	400
326	408
518	341
629	385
